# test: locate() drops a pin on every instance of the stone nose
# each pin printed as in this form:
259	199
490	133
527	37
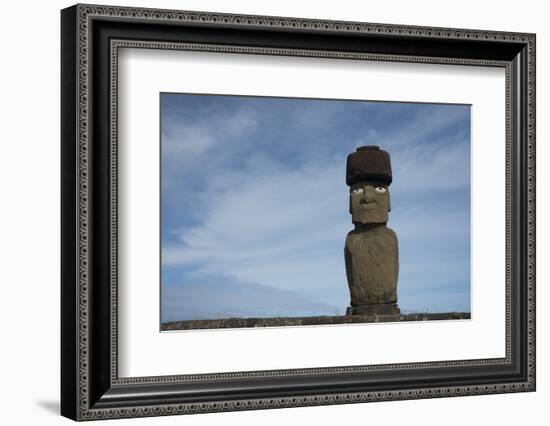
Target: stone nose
367	195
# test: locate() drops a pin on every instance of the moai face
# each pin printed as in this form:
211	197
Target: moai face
369	202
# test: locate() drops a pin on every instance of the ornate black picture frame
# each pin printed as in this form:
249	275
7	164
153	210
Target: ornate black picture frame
91	387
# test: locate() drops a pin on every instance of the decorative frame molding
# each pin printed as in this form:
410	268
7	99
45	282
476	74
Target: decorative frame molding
91	388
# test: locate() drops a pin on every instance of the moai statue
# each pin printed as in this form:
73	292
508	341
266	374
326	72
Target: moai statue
371	252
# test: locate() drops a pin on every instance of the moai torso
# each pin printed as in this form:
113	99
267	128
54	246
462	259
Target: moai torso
372	265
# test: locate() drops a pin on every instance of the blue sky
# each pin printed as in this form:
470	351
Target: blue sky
254	205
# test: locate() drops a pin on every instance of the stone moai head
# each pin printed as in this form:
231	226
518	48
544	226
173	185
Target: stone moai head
368	174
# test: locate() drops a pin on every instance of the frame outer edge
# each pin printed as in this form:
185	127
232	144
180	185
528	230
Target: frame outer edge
68	181
83	61
531	213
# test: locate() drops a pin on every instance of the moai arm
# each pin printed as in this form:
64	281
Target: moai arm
347	258
396	257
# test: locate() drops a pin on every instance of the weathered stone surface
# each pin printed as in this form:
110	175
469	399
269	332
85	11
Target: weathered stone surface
369	202
371	256
371	249
376	309
301	321
368	163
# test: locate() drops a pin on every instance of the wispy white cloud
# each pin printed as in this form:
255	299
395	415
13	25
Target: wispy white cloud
274	229
429	168
417	130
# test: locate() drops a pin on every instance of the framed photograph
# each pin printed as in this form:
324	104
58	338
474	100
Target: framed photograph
264	212
258	239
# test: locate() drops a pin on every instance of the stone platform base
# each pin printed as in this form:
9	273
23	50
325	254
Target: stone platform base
379	309
300	321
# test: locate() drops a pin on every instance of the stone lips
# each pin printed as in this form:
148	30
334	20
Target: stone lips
368	163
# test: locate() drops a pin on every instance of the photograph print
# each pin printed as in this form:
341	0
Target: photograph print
294	212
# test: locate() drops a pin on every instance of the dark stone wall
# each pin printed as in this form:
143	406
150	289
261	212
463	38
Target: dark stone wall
300	321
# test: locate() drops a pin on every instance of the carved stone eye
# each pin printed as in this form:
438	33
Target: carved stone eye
380	189
357	191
